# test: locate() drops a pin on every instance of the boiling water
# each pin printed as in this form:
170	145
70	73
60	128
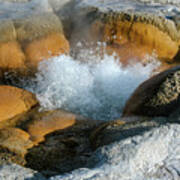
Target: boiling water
96	90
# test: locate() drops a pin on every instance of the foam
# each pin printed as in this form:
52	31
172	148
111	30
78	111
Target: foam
154	155
19	9
96	90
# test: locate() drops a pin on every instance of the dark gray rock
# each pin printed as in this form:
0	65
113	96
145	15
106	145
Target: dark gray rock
158	96
63	150
123	128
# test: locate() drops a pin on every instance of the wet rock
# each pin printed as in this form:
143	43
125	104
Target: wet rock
14	101
41	37
158	96
138	29
43	123
51	141
63	150
123	128
150	155
129	34
13	171
14	144
15	140
52	45
11	54
27	40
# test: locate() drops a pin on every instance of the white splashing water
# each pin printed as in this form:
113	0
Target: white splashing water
96	90
154	155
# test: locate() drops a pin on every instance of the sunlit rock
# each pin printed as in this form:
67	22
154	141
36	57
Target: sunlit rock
15	140
44	123
131	34
41	49
158	96
11	54
39	138
62	150
14	101
145	31
128	53
25	41
41	37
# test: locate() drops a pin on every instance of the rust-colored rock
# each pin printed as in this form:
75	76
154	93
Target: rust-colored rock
42	137
141	35
158	96
128	52
41	49
131	35
11	56
24	42
41	37
47	122
15	140
65	149
145	36
14	101
154	39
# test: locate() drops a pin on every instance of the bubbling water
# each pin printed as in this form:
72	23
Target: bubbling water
95	90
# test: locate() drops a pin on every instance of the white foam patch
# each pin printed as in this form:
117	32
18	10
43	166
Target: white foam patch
21	8
154	155
96	90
